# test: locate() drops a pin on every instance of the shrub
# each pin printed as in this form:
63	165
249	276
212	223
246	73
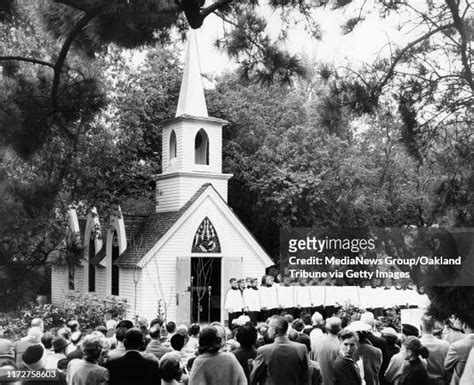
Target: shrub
89	309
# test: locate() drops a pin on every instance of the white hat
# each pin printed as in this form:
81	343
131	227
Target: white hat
358	326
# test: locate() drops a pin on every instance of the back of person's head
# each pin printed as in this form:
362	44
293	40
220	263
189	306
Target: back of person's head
306	318
37	322
133	339
305	340
390	335
246	336
120	333
292	334
60	344
333	325
221	332
410	330
289	318
345	334
91	346
142	322
170	327
298	325
279	325
47	340
125	324
368	318
157	320
183	330
170	367
177	342
194	330
414	344
317	318
427	324
155	332
35	334
209	341
34	357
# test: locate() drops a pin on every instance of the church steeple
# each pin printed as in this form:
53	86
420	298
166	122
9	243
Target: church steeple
191	142
191	96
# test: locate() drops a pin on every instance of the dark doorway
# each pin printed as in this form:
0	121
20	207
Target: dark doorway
205	303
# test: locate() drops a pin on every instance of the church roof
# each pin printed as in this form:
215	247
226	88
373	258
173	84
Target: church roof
144	231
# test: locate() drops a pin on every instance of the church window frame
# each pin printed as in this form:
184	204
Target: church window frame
201	147
173	146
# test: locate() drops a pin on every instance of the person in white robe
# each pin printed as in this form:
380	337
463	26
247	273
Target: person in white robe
302	299
234	302
251	298
286	296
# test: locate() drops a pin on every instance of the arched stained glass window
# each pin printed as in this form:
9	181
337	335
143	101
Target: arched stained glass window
206	239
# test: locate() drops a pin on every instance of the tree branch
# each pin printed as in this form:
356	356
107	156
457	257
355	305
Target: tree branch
409	46
460	27
214	6
82	22
27	59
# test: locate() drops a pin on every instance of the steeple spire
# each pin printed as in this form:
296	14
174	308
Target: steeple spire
191	96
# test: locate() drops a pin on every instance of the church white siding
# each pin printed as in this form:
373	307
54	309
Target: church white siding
58	285
158	281
101	281
174	192
127	288
79	275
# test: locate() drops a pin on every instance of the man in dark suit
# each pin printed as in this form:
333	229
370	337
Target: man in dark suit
345	369
283	362
133	367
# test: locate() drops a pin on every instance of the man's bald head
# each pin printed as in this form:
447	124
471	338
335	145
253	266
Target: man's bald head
279	325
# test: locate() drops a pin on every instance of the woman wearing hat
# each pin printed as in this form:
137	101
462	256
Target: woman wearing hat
415	373
60	345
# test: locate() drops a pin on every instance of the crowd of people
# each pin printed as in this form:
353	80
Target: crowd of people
283	350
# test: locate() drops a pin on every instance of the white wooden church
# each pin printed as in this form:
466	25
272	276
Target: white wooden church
179	255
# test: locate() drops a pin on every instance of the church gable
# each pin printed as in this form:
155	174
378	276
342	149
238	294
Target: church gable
206	223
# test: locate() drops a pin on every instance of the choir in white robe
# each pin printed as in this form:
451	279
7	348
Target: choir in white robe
317	295
251	299
268	297
233	301
302	296
286	296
